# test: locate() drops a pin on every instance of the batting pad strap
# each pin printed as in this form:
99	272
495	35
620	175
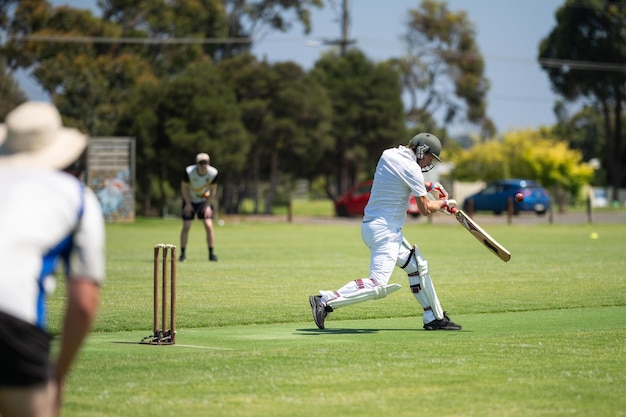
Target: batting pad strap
364	294
408	258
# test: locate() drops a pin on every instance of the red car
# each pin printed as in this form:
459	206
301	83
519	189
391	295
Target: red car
353	202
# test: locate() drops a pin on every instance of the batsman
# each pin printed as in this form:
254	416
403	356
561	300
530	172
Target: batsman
399	173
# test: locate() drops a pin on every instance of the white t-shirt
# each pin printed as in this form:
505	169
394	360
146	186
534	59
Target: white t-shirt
397	176
198	184
45	215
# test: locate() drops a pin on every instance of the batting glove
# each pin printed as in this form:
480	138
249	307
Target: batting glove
449	206
436	190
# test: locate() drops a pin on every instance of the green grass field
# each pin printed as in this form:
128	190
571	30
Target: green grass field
544	335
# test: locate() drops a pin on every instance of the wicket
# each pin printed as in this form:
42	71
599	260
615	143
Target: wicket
161	335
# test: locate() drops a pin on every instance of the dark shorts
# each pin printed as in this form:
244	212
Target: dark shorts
198	211
24	353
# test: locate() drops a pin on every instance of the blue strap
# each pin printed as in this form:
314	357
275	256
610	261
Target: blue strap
50	261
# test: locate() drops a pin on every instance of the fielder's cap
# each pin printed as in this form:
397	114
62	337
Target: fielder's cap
33	134
202	157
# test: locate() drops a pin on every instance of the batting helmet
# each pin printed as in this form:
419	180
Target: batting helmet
426	142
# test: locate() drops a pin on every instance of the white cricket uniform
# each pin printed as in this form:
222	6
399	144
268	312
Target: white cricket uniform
45	215
198	184
397	176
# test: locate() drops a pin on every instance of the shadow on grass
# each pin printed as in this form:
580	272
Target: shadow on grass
120	342
315	331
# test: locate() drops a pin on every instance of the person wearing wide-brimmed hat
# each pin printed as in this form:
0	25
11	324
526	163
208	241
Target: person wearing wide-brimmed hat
46	215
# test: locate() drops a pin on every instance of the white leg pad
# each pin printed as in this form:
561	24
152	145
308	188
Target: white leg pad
422	286
427	286
364	294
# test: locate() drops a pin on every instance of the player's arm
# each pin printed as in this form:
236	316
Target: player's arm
212	192
185	188
184	191
427	206
441	202
436	190
82	306
85	268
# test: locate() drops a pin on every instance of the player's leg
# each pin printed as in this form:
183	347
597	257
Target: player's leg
416	266
184	233
37	401
384	245
357	291
26	386
210	234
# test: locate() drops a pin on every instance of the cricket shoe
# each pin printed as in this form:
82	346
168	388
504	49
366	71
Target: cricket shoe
212	258
319	310
182	258
442	324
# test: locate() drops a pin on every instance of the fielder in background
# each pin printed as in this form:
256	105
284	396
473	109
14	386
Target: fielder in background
198	187
398	175
46	215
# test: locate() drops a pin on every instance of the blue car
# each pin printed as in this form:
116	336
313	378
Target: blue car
496	196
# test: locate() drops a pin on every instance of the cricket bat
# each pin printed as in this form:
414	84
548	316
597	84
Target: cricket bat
482	236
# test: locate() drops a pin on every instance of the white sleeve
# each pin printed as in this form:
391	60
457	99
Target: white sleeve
87	258
415	180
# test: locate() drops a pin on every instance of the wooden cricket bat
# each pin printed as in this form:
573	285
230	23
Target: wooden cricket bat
482	236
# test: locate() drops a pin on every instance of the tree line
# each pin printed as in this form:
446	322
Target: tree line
180	78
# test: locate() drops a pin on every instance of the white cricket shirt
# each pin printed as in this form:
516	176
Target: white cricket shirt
198	184
45	215
397	176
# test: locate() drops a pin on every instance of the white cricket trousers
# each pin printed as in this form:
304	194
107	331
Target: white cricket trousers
387	252
386	249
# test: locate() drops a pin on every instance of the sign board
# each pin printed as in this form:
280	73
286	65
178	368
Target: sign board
110	174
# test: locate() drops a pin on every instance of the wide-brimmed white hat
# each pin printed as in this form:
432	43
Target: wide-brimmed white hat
33	135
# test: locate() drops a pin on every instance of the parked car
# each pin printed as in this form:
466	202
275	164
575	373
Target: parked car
495	197
352	203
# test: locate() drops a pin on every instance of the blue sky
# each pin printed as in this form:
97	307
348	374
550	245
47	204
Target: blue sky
508	33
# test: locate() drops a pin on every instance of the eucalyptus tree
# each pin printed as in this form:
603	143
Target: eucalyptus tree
582	131
109	73
443	71
97	60
169	34
367	115
174	119
584	57
296	133
251	82
256	19
11	94
50	43
286	114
